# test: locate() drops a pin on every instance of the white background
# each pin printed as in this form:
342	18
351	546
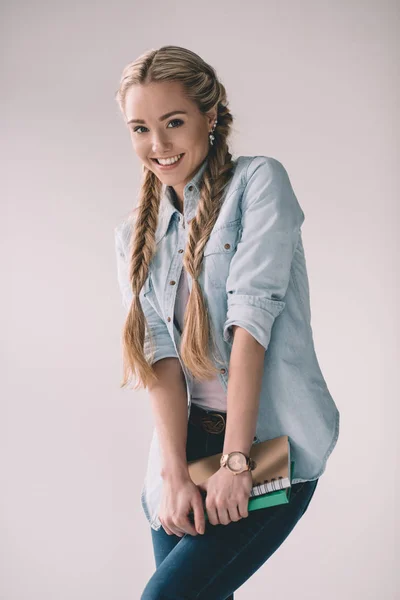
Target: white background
314	84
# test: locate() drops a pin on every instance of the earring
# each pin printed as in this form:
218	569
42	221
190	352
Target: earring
211	136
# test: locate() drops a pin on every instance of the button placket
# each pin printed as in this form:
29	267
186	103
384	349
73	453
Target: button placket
171	296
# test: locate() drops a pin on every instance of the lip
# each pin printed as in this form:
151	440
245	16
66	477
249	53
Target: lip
169	167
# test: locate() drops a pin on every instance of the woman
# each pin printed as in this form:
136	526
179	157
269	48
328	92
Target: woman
212	272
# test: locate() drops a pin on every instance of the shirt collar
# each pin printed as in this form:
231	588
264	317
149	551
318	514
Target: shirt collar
191	196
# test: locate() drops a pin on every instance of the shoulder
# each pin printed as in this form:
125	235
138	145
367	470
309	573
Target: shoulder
262	166
266	177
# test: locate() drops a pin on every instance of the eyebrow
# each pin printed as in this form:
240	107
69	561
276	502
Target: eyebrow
162	118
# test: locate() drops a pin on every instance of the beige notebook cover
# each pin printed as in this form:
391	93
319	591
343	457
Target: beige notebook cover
272	471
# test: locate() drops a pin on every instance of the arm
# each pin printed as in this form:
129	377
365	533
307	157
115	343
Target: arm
180	496
244	386
169	405
168	396
256	285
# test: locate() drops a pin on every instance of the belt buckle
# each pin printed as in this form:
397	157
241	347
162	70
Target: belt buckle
211	425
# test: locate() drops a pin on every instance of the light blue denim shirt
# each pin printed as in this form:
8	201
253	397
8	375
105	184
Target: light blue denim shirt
254	275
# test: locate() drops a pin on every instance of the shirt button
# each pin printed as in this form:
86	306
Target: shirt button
222	370
227	246
180	251
172	282
190	188
168	318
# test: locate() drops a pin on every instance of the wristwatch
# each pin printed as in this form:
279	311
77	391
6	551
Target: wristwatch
237	462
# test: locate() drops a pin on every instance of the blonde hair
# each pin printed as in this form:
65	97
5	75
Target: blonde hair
201	86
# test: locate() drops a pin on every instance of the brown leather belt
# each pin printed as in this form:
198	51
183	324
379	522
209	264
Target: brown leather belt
209	421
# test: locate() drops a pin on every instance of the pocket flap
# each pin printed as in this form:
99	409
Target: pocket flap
224	240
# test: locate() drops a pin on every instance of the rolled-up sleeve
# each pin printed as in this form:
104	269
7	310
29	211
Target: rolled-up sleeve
259	271
163	344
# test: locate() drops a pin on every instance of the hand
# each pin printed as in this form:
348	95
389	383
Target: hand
179	497
227	496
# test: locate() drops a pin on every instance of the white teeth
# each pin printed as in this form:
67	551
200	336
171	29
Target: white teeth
169	161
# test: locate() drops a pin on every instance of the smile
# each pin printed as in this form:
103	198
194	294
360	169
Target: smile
171	162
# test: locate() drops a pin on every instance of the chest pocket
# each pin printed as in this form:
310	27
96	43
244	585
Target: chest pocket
218	253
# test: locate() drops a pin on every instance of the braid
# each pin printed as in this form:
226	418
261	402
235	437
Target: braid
142	249
197	330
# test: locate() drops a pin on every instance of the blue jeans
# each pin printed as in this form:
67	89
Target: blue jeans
213	565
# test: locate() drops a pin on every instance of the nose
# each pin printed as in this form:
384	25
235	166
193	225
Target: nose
160	144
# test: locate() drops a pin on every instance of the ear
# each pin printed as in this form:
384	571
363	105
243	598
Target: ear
211	116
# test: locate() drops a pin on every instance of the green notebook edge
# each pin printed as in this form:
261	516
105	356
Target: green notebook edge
273	498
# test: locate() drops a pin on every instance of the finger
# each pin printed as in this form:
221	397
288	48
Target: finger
234	514
212	514
243	507
177	531
199	518
223	516
167	529
184	524
170	526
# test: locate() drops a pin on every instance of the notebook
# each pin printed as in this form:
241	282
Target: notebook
272	475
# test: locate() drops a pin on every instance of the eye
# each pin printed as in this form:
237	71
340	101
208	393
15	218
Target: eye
137	128
176	121
179	121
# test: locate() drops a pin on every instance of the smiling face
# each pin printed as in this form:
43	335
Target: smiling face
156	133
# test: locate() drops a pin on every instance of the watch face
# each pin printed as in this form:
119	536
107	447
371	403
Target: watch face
236	461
